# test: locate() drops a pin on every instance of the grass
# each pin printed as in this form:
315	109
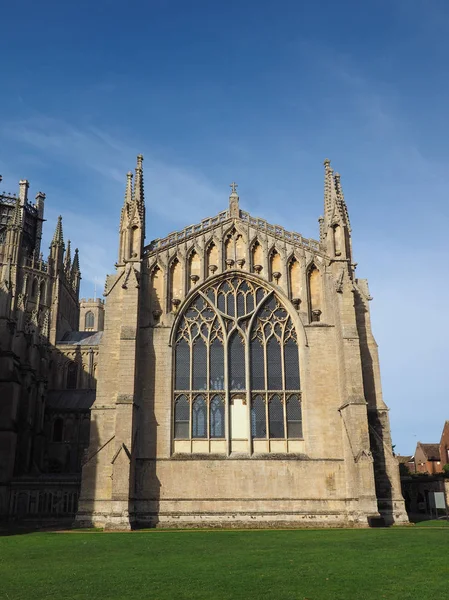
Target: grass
433	523
402	563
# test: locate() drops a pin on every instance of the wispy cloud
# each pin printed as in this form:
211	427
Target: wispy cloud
176	195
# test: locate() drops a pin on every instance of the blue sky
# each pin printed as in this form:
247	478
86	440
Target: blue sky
259	92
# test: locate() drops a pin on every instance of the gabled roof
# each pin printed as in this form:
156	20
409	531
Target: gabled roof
432	451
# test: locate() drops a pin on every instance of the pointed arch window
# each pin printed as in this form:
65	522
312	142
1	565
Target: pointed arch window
89	321
236	337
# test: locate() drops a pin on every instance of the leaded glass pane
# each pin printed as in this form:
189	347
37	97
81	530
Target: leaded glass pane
257	365
199	423
221	303
291	362
236	362
216	365
258	418
259	295
294	417
182	366
276	417
199	365
249	303
274	366
240	305
182	418
231	305
217	417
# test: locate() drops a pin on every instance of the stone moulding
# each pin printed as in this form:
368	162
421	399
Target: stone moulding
224	217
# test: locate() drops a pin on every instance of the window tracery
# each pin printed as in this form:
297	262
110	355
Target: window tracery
236	336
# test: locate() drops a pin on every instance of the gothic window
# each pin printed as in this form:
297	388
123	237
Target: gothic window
72	376
89	321
236	336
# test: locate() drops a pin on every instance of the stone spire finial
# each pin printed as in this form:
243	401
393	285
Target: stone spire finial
129	188
138	185
76	263
341	203
234	209
67	259
328	185
58	238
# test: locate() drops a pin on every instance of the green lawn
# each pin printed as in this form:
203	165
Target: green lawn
402	563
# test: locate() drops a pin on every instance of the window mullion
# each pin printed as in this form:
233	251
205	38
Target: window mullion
284	404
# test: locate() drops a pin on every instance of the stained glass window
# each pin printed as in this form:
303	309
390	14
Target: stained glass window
214	331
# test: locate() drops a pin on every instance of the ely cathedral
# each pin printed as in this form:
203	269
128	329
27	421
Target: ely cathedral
231	376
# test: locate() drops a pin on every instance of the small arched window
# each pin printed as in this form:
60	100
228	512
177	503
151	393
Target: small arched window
58	428
89	320
72	376
34	287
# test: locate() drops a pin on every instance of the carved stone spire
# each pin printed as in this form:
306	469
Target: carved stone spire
67	259
341	204
75	273
138	186
129	188
334	227
328	190
58	238
76	263
234	210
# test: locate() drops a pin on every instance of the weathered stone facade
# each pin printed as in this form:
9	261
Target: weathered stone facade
47	368
180	437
